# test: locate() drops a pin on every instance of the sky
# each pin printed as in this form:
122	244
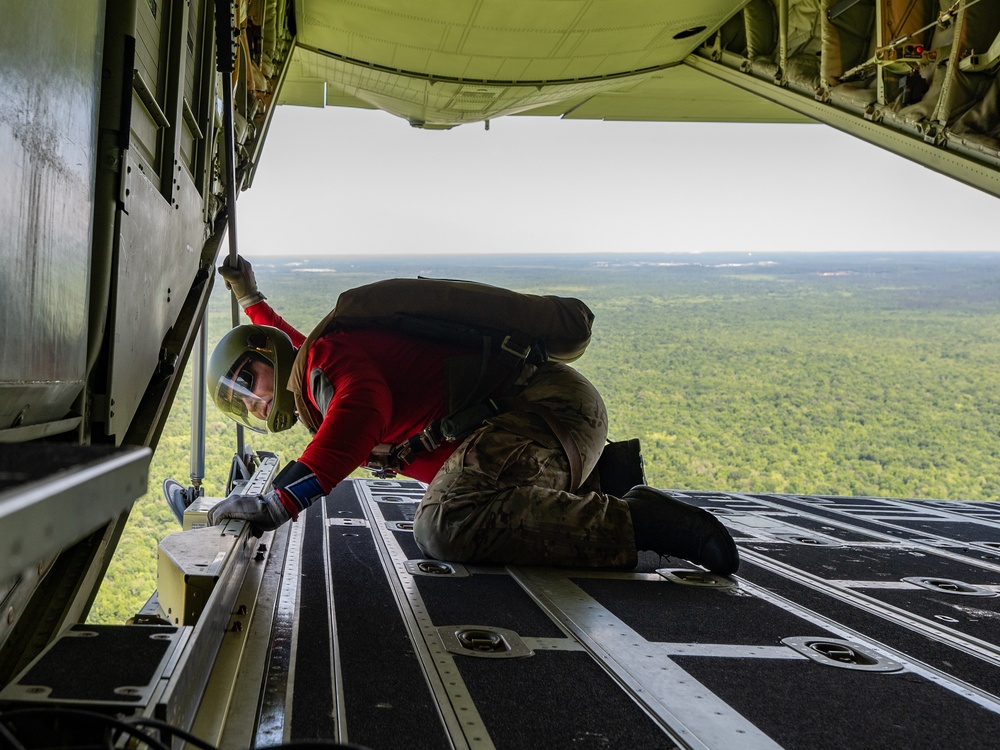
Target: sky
347	182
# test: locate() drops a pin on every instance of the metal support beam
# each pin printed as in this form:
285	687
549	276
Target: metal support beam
945	159
40	517
198	405
782	42
226	35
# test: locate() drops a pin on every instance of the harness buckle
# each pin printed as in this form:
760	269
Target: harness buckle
509	346
382	461
380	472
430	438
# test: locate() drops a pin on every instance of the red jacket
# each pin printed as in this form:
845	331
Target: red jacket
387	388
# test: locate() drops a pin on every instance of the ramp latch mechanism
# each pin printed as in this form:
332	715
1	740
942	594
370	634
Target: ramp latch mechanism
433	567
948	586
482	640
835	652
842	653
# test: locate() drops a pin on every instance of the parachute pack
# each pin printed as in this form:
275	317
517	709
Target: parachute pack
556	328
509	328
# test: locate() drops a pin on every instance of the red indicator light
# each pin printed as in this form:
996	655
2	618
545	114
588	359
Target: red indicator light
919	50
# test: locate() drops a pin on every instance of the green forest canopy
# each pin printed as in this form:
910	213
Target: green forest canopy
832	374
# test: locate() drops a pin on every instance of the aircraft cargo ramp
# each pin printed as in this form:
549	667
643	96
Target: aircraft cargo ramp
853	622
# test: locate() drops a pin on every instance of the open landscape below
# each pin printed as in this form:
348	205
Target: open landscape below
840	374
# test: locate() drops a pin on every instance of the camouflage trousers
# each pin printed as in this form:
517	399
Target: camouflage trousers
505	495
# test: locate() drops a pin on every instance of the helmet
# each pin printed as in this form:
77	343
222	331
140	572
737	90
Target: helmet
231	376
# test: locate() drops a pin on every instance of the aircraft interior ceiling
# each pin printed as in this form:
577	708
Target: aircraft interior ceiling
126	131
918	78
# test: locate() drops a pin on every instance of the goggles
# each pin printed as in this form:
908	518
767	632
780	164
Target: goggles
244	377
236	398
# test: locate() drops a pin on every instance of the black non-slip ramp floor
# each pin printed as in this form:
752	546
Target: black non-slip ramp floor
853	622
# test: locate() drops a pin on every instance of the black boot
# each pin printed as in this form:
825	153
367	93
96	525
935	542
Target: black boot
178	497
668	526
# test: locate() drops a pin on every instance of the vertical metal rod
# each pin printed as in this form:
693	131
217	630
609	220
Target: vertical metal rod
231	210
882	12
225	62
198	406
782	39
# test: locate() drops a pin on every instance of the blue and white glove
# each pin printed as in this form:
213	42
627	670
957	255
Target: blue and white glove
263	512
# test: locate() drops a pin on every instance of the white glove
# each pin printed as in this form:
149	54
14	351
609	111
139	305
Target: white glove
263	512
241	281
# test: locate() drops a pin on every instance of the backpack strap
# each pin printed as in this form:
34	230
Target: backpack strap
386	459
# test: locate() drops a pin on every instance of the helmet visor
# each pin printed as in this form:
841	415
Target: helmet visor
236	398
